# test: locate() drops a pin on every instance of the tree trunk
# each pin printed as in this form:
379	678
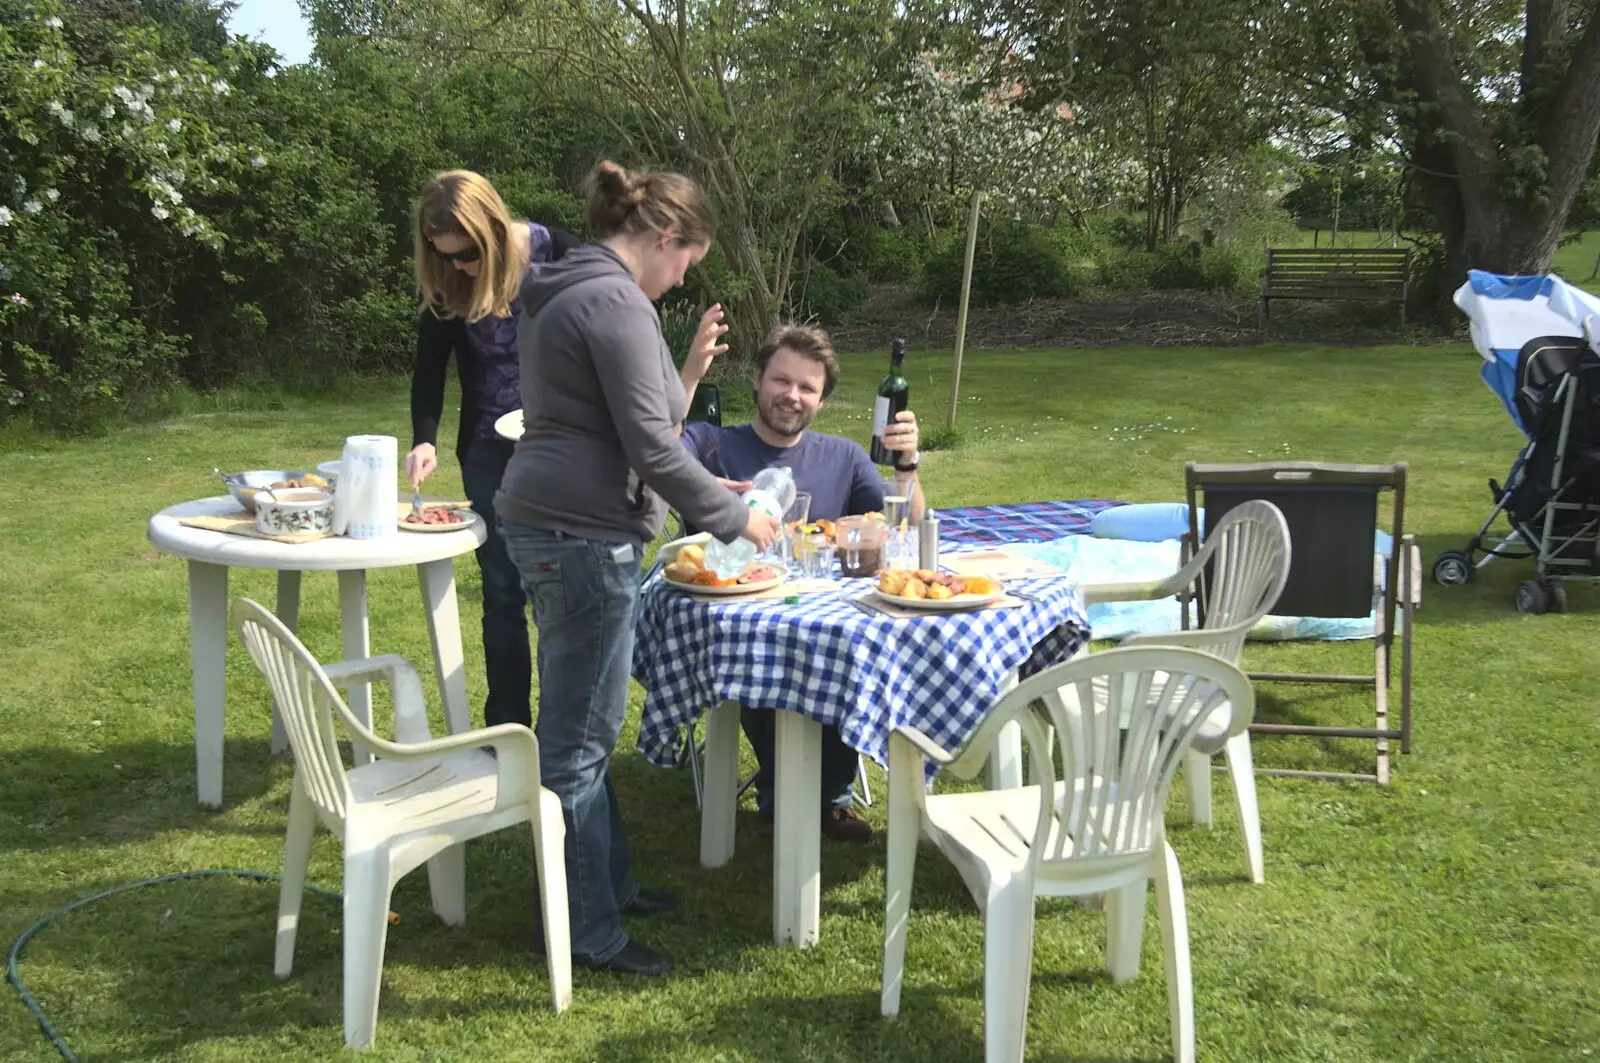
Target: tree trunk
886	213
1463	167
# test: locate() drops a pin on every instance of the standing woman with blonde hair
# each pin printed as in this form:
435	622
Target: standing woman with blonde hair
588	486
470	260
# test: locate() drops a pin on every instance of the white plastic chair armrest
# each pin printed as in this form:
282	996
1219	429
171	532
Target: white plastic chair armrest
1149	591
366	670
510	738
1095	593
1193	639
410	708
925	745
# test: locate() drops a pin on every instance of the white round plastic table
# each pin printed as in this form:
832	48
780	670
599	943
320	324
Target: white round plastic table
509	426
210	554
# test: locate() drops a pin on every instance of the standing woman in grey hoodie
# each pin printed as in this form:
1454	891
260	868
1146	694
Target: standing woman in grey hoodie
587	487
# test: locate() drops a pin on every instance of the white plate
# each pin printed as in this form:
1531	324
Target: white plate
468	519
741	588
946	605
509	426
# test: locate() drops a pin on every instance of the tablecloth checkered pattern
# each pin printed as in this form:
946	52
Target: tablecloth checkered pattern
1019	522
827	660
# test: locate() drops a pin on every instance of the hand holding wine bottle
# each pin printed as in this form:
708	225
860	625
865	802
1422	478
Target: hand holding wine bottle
894	394
900	439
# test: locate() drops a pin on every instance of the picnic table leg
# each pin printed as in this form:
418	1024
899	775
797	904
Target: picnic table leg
208	647
357	646
438	579
288	611
721	783
797	831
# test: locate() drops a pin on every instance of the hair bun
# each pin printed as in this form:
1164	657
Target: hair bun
618	184
620	200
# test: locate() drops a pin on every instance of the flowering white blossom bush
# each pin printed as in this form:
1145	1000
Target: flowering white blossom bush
66	341
146	223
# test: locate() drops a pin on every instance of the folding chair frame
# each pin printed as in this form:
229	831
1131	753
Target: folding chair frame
1401	578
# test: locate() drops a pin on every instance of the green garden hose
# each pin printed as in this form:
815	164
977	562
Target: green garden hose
32	1005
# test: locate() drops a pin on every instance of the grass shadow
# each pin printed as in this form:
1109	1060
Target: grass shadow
823	1029
126	793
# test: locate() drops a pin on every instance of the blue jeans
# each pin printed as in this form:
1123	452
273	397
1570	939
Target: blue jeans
506	657
838	760
584	595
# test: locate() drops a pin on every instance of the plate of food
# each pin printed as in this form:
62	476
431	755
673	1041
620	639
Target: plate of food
688	572
438	519
509	426
936	592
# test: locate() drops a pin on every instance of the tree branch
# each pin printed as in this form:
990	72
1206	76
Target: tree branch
1569	128
1437	81
1546	24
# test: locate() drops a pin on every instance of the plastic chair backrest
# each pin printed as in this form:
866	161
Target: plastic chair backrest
1247	558
1118	751
305	700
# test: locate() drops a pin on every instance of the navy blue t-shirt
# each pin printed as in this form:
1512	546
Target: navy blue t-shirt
836	471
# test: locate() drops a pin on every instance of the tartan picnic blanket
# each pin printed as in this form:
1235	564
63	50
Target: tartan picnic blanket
1019	522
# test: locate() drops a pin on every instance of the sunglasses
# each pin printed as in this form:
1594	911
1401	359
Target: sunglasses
467	254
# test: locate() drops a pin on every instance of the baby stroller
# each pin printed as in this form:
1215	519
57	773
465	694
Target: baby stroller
1540	340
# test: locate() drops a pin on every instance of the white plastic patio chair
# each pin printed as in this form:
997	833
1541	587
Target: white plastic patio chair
415	803
1101	831
1249	552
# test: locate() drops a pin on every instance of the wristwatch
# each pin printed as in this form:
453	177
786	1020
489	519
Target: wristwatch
909	466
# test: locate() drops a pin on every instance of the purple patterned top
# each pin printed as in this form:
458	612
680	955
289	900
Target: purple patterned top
499	383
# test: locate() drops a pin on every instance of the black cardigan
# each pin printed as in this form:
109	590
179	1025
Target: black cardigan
436	340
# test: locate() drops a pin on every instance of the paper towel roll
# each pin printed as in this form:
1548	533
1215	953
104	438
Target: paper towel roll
364	500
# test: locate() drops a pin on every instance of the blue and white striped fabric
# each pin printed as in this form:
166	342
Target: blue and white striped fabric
828	660
1506	312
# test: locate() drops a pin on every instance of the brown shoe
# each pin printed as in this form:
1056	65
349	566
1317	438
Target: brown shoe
842	824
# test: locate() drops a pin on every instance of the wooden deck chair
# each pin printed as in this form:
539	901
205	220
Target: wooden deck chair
1332	512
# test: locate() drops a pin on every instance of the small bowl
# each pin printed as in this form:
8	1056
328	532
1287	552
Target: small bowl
295	511
243	486
329	470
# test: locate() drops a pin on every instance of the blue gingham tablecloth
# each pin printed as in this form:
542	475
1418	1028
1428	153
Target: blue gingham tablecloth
827	660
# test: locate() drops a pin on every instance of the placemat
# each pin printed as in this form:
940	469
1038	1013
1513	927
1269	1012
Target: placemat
999	565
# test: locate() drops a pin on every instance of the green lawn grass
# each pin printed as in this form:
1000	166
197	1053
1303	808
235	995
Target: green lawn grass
1450	916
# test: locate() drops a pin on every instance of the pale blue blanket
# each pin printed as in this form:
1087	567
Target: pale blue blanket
1090	559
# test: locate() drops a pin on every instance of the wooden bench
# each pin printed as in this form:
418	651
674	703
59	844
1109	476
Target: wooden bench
1369	273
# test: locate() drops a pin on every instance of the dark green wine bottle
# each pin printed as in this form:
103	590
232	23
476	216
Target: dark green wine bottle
894	394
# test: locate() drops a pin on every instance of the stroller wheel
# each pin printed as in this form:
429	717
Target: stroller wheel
1557	597
1453	568
1533	596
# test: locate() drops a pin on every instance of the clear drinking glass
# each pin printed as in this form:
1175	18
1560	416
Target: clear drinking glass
897	501
817	555
794	522
900	549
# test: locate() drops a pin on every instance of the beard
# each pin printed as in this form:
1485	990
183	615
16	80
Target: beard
781	419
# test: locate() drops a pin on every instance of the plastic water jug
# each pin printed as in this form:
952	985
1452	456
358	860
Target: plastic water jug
772	492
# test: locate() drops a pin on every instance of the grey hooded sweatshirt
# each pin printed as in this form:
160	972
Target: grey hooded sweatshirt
601	401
